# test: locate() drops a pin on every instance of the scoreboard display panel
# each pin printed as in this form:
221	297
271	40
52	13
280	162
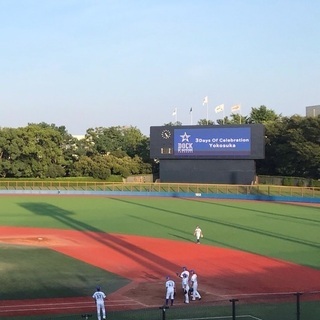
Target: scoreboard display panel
208	142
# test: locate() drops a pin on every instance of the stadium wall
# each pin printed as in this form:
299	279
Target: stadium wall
208	171
163	194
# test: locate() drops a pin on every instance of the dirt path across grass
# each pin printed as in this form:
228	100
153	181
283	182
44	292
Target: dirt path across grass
145	261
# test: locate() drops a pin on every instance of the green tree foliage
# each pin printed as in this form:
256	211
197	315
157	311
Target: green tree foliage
262	115
114	150
292	148
234	118
32	151
82	167
177	123
106	140
69	146
43	150
205	122
223	121
102	166
133	140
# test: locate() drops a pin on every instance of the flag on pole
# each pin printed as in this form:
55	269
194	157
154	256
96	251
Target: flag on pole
190	112
219	108
205	100
236	108
174	112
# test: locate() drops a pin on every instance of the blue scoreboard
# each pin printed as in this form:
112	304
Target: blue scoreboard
208	142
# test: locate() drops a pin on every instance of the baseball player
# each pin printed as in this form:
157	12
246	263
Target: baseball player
194	285
99	297
198	234
170	290
181	275
185	287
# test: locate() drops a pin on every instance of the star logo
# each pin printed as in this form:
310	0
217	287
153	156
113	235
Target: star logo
185	137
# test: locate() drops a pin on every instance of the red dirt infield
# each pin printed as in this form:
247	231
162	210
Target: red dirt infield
222	273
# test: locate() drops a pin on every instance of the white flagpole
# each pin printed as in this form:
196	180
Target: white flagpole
207	110
206	101
191	115
175	114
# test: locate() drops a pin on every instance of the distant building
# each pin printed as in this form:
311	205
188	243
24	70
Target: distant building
313	111
79	136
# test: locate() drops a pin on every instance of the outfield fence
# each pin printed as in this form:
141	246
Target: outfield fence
257	306
256	191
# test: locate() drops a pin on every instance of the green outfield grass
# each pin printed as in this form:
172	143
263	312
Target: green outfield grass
285	231
30	272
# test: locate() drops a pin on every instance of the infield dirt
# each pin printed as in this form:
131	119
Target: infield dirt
146	262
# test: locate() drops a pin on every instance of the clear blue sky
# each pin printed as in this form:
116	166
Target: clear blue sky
90	63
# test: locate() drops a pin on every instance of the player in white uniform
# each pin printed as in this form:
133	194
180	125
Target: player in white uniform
198	234
181	275
99	297
185	287
194	285
170	290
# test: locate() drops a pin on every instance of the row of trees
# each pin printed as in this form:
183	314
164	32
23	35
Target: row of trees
43	150
47	151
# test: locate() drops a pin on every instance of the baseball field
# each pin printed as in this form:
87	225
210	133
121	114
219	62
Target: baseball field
55	250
